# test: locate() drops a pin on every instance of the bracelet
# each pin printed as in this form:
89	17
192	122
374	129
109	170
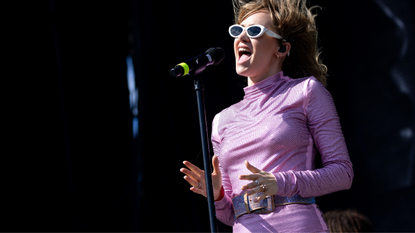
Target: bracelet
222	194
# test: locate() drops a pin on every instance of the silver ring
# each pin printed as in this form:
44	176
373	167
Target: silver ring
198	186
257	182
264	188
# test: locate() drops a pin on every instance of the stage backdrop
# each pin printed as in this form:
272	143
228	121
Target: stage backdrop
72	161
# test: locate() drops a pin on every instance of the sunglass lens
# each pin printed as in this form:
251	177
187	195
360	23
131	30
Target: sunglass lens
236	31
253	31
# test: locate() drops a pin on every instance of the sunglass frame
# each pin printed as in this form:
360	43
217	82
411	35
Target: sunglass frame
263	30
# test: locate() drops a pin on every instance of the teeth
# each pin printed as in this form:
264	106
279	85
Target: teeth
243	50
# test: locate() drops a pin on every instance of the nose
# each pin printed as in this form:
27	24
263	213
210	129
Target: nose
244	36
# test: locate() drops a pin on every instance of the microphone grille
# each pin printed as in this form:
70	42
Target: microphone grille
218	54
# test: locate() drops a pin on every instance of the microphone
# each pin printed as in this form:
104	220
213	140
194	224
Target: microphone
212	56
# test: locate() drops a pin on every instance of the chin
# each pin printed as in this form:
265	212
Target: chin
242	71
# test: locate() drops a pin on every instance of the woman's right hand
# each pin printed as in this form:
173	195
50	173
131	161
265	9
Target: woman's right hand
196	177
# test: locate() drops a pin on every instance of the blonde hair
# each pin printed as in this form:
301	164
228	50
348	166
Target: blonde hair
349	220
295	23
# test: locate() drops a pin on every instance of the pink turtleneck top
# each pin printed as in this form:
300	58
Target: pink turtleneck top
278	127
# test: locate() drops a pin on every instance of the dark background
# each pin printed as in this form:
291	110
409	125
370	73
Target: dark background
69	158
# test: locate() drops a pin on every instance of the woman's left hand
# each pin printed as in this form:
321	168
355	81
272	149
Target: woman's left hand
260	180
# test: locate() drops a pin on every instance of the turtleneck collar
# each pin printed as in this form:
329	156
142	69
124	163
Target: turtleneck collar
262	86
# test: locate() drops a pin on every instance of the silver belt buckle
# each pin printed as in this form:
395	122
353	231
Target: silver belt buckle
244	204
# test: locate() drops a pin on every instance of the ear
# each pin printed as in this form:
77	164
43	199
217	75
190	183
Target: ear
281	52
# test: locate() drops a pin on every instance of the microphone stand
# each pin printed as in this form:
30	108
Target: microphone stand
197	75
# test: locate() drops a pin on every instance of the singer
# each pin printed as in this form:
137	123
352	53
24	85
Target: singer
265	178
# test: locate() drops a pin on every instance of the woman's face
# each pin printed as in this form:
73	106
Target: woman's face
261	61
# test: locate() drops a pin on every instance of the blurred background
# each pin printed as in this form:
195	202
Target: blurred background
94	130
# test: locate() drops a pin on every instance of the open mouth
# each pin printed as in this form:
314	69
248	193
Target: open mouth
244	54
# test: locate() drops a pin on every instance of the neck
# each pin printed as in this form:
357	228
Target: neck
254	80
272	70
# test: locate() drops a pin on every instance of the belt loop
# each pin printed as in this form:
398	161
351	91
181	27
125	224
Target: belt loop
248	211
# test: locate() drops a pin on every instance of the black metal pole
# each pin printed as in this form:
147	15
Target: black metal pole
205	149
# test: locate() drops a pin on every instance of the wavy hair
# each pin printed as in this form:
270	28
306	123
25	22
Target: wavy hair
295	23
349	220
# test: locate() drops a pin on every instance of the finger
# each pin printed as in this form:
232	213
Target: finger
249	177
198	191
190	173
249	186
254	190
251	168
191	181
215	162
193	167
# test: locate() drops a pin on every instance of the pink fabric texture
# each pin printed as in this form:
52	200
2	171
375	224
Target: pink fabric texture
278	127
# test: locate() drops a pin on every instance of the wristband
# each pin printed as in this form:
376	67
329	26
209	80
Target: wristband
222	194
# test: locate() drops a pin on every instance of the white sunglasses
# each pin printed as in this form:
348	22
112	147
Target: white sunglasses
253	31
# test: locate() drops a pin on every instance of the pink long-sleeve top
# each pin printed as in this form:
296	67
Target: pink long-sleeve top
278	127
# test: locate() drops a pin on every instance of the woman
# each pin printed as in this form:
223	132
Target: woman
264	177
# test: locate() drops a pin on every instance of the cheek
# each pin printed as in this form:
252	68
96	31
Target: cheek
264	53
235	51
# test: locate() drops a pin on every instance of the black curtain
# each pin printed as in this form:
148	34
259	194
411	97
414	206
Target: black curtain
70	161
66	127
